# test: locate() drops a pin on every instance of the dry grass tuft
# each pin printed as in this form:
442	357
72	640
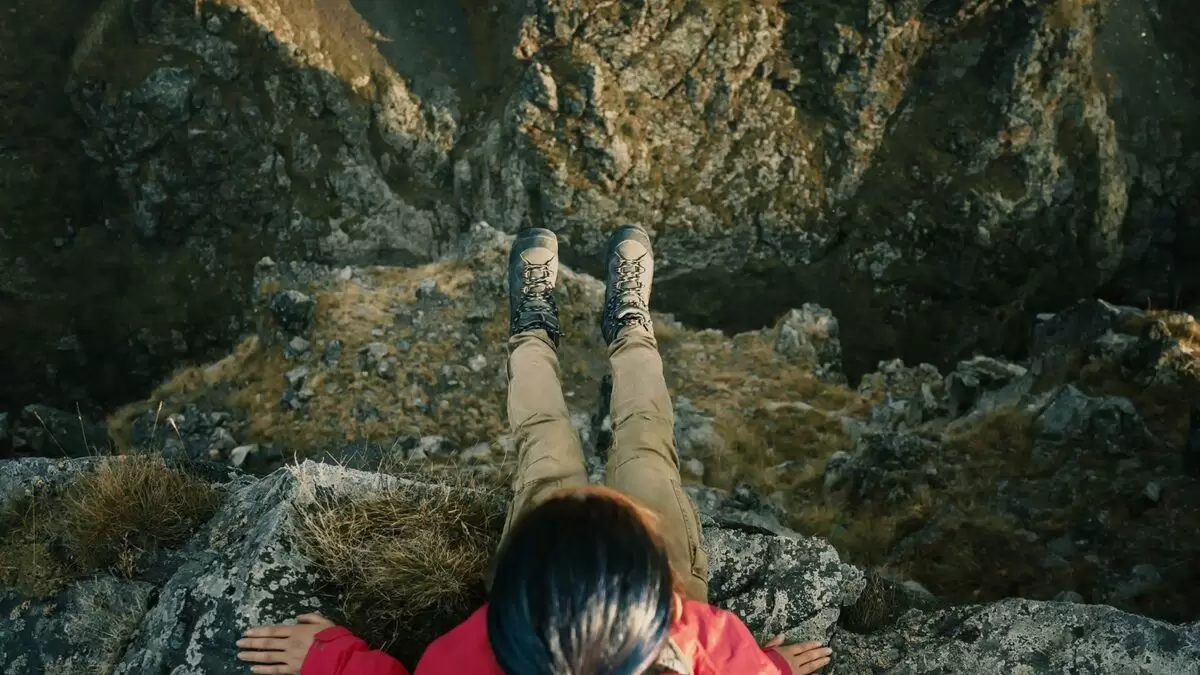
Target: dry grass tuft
26	561
877	607
411	562
108	615
1000	444
104	520
127	506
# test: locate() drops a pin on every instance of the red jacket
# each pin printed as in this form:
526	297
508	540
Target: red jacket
714	641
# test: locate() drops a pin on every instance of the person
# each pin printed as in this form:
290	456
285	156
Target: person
589	580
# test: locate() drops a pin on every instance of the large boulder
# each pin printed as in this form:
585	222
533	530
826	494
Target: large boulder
1020	636
242	569
49	432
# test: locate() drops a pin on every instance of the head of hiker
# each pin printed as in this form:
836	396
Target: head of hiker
582	585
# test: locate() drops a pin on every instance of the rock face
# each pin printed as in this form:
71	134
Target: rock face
931	172
1064	473
1019	636
1090	432
241	569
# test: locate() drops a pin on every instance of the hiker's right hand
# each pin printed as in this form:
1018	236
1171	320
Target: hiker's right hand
805	658
280	649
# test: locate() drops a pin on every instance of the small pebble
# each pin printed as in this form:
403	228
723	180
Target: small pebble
1152	492
238	455
296	376
297	346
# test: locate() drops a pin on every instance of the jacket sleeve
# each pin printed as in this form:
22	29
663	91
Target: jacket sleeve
733	649
336	651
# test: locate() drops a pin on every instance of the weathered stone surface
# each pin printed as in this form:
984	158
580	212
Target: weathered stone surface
1015	636
887	468
780	585
929	173
84	633
240	569
742	506
49	432
20	478
810	335
975	377
1108	425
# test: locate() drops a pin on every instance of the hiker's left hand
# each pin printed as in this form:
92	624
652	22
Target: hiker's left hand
805	658
282	648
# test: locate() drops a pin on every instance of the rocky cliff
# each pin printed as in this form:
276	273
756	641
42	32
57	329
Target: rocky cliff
1032	504
935	454
183	613
933	172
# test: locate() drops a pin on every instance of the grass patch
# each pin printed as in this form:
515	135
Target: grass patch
108	614
879	605
411	562
104	520
433	388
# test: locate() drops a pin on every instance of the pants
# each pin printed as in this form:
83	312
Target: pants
642	463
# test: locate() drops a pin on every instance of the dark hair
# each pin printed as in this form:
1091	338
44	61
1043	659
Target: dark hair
582	586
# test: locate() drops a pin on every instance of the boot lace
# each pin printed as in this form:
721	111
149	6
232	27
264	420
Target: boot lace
627	282
537	292
629	278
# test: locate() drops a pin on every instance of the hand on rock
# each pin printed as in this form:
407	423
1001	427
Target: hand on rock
281	649
805	658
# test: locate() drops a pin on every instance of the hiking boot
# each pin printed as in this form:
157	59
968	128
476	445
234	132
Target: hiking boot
630	274
532	273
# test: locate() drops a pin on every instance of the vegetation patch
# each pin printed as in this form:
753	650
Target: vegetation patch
411	562
105	520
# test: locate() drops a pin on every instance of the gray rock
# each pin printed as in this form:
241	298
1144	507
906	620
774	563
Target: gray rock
971	379
837	470
239	455
1108	425
251	577
436	446
426	289
86	632
1141	578
47	431
241	569
695	435
477	363
1069	596
221	440
1015	636
1081	324
1062	546
374	358
296	376
333	354
23	477
810	336
297	346
695	467
895	381
733	509
885	467
818	583
478	453
1152	492
292	311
